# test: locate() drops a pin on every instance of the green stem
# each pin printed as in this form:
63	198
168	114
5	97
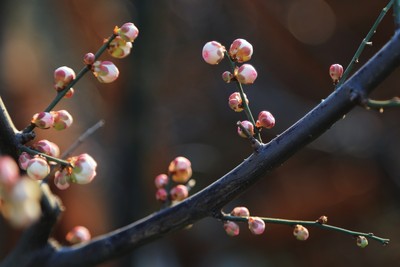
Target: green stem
244	98
365	41
383	241
81	73
396	11
50	158
381	104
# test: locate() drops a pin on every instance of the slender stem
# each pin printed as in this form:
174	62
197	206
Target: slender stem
81	73
383	241
50	158
381	104
365	41
396	11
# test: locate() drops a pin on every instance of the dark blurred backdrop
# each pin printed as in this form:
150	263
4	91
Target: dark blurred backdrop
169	102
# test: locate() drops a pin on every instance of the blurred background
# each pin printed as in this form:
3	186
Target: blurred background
168	102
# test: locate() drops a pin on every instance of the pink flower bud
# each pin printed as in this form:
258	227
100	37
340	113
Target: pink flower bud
38	168
9	172
231	228
62	119
300	232
241	50
161	194
179	192
241	212
62	77
84	169
336	72
227	76
235	102
128	31
23	160
248	126
180	169
213	52
47	147
78	234
70	93
62	179
362	241
266	120
105	71
256	225
161	180
246	74
89	58
119	48
43	120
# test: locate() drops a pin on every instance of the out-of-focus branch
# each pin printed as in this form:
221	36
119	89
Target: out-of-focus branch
8	133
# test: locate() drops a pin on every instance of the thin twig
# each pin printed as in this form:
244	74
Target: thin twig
382	104
49	158
396	13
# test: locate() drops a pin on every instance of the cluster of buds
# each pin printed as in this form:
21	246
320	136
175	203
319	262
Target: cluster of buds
19	196
255	224
175	185
78	234
59	120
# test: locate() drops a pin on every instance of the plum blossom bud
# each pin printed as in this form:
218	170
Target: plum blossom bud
161	194
119	48
227	76
231	228
240	211
180	169
241	50
23	160
248	126
266	120
47	147
105	71
213	52
62	119
84	169
9	172
70	93
246	74
362	241
336	72
235	102
300	232
78	234
89	58
256	225
43	120
38	168
161	180
179	192
62	77
62	179
128	31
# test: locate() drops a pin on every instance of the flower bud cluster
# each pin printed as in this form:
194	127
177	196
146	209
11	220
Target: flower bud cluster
59	120
255	224
175	185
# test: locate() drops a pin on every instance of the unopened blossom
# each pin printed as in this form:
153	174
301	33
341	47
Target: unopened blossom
62	179
180	170
362	241
161	194
89	58
127	32
9	172
240	212
248	126
241	50
84	169
336	72
213	52
235	102
256	225
246	74
300	232
69	93
105	71
62	119
47	147
62	77
265	120
179	192
23	160
43	120
227	76
119	48
38	168
231	228
78	234
161	180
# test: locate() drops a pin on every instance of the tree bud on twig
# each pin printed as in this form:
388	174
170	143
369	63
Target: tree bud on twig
213	52
241	50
